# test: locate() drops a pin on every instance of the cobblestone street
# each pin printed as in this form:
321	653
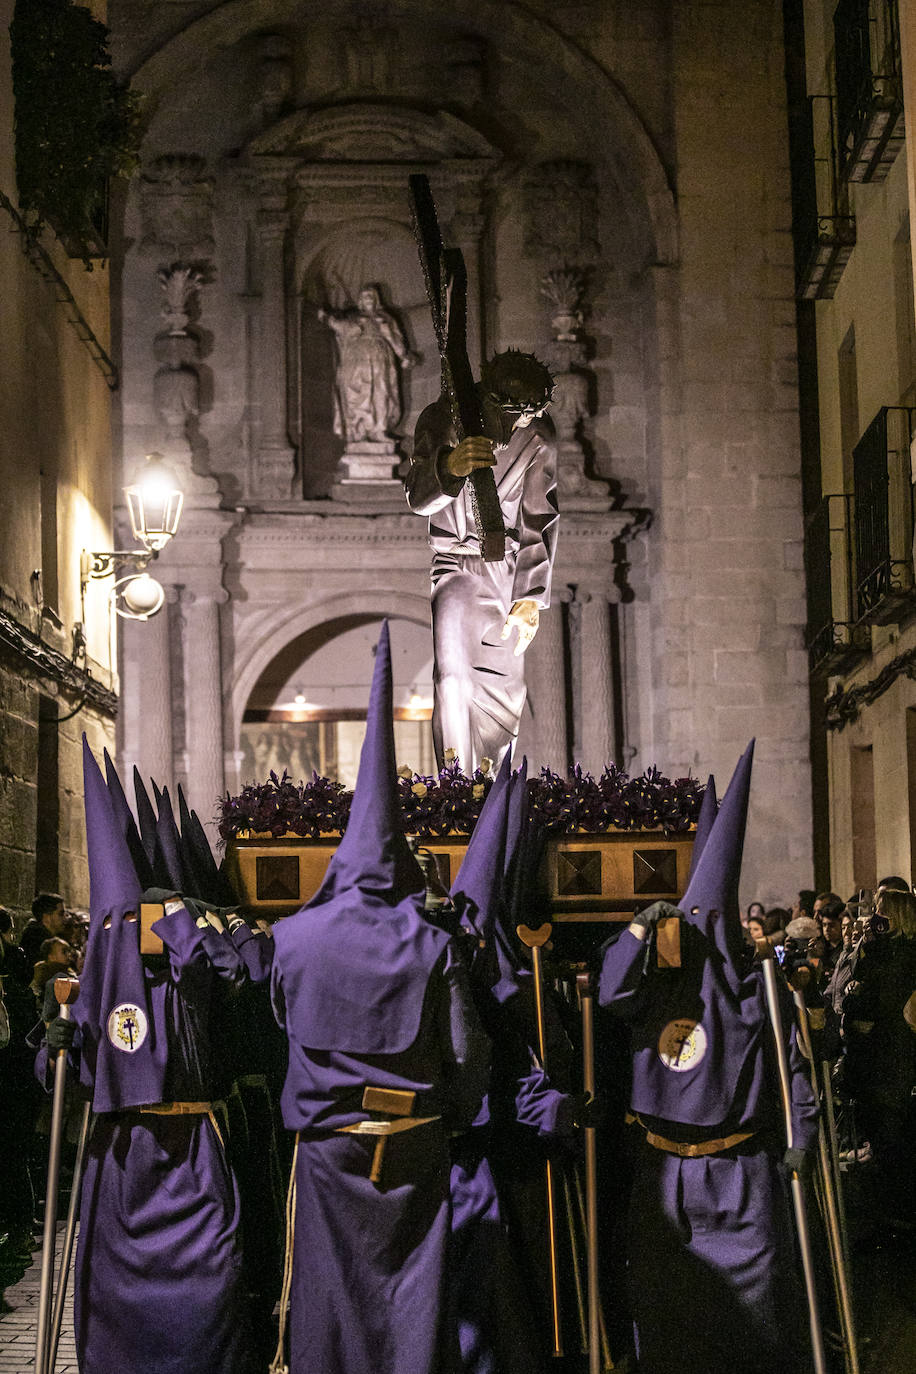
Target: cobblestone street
19	1320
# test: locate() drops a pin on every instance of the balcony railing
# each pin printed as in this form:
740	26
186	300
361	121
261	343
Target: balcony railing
823	228
869	93
833	639
883	496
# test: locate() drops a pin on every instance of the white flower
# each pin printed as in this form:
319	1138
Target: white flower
419	789
486	765
405	771
450	756
478	790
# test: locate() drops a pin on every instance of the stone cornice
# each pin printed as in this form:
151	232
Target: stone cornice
845	704
285	529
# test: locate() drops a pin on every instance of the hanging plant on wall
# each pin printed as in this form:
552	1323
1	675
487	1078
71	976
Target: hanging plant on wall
76	125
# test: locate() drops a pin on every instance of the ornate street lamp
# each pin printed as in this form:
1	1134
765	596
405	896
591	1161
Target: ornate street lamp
154	503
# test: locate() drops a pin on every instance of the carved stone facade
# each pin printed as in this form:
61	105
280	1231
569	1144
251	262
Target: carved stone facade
279	144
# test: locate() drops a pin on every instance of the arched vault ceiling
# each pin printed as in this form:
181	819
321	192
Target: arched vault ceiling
559	67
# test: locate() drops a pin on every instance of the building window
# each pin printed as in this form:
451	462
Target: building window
862	800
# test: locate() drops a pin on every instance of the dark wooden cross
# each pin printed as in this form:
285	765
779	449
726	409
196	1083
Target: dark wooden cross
446	286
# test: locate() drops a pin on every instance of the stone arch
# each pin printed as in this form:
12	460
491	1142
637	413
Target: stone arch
631	159
270	635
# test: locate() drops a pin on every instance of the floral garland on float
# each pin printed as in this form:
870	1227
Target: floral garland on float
612	840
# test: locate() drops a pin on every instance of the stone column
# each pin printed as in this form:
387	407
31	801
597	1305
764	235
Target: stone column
145	727
598	688
203	699
546	670
275	462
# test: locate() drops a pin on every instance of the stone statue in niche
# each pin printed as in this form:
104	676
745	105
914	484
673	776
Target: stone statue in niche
275	76
371	353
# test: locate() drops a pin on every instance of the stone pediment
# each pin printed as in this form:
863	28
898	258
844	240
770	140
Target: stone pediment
370	133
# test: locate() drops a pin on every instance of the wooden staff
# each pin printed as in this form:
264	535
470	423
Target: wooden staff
66	990
535	939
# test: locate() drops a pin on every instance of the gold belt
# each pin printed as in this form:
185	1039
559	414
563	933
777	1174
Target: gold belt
695	1149
179	1108
383	1128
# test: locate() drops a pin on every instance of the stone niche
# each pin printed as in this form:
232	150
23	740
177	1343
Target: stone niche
332	218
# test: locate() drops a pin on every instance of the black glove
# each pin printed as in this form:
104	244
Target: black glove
60	1032
588	1110
651	915
160	895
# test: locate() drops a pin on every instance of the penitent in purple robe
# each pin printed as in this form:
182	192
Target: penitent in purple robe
370	994
710	1260
158	1261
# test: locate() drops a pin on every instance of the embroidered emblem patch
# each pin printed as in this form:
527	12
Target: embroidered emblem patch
682	1045
127	1027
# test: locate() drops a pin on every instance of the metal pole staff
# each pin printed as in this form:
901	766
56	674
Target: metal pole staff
585	984
831	1208
535	939
73	1211
765	954
66	990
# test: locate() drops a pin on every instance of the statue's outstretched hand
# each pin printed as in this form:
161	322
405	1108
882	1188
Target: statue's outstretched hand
473	452
523	617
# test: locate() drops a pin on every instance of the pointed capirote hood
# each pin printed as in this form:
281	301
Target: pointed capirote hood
119	1058
711	900
199	860
477	888
709	809
125	818
354	963
167	860
373	855
146	815
113	882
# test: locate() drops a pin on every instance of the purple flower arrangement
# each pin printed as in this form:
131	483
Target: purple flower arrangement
451	802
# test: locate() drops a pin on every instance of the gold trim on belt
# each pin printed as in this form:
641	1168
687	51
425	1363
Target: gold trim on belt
693	1150
178	1108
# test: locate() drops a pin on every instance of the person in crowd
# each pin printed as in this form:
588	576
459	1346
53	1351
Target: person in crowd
18	1108
755	912
829	946
771	926
48	919
880	1059
895	883
56	959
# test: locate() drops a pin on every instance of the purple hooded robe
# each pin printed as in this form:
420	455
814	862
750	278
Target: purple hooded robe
370	993
711	1269
156	1284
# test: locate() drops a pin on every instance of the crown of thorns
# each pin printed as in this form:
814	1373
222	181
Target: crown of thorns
519	379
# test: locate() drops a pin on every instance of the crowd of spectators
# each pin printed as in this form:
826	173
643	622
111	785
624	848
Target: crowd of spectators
50	945
856	961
